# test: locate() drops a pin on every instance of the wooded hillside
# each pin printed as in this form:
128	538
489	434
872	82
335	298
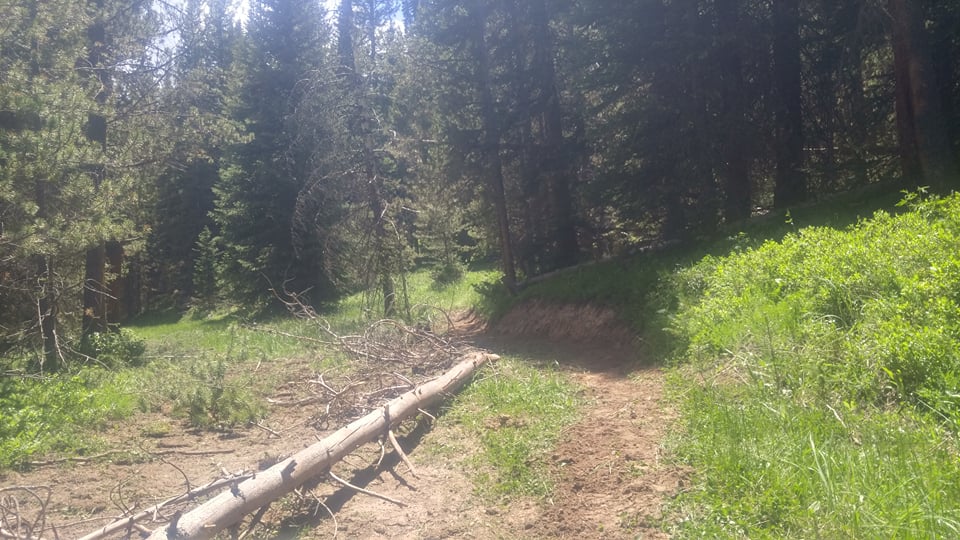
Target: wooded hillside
167	155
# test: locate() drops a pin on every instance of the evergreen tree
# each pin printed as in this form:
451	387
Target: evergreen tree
197	98
69	186
257	193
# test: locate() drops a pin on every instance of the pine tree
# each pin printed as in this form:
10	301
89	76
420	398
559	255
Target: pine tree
198	99
68	187
261	179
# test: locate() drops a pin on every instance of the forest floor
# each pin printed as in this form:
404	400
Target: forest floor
609	478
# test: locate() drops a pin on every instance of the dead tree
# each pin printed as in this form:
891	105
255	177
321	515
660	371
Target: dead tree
229	508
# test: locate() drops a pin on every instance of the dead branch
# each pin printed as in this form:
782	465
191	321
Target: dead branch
14	522
403	456
358	489
253	522
153	511
228	508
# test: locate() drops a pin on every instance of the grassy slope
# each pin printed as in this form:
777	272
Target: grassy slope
818	372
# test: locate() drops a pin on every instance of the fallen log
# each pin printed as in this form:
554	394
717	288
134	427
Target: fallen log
229	507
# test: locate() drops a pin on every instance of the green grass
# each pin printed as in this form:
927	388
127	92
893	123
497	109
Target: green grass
819	379
58	414
516	411
776	468
424	294
816	363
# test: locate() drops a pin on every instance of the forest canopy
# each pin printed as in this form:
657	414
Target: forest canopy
174	155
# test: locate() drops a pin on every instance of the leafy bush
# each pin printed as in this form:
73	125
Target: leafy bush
53	414
869	314
819	382
115	349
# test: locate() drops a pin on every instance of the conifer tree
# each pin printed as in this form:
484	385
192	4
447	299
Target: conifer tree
256	195
69	184
198	98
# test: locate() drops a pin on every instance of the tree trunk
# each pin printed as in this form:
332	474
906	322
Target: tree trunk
858	104
925	151
229	507
555	166
94	286
492	161
790	187
345	38
738	197
47	311
115	310
94	317
364	121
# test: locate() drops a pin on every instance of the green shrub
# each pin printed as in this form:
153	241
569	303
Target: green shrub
820	382
115	349
870	313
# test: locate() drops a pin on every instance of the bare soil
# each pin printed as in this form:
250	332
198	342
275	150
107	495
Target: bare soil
611	481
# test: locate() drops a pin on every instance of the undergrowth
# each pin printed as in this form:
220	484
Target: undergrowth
820	382
42	415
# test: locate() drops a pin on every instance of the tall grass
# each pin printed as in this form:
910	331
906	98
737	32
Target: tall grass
819	382
516	413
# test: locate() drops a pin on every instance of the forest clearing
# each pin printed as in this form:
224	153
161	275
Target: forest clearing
479	269
614	489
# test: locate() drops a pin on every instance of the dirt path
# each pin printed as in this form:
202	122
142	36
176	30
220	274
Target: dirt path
610	480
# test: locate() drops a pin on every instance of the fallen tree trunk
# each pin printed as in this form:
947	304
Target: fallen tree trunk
229	507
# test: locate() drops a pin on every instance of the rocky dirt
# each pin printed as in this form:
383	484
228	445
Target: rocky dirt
611	480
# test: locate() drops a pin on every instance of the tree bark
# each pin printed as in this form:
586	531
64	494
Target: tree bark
790	187
94	318
115	309
925	151
47	311
229	507
738	196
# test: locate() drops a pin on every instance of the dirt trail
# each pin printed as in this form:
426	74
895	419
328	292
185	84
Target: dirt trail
611	482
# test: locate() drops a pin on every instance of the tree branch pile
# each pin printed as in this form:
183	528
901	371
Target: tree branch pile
229	507
396	373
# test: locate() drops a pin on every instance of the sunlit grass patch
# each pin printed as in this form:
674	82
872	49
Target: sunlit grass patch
516	411
59	414
423	294
830	408
775	468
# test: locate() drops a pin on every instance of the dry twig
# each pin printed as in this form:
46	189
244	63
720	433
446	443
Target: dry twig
154	511
364	491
